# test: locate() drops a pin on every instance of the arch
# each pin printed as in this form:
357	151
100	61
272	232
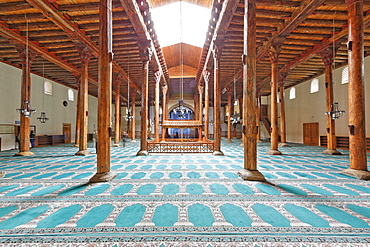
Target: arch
345	75
71	96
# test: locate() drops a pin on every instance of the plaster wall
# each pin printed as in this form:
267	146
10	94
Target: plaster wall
52	105
311	107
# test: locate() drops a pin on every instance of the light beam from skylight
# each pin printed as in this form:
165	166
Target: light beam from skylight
194	21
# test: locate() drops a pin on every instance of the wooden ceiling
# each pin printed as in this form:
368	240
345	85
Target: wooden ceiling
303	28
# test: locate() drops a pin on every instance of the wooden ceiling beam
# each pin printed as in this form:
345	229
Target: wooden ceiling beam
224	21
50	11
133	11
14	6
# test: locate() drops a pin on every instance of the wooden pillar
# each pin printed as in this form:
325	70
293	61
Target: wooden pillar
327	56
273	54
145	55
217	100
258	117
356	95
200	113
229	103
133	120
206	75
242	111
164	109
250	171
83	91
78	112
157	75
281	79
117	111
27	57
104	93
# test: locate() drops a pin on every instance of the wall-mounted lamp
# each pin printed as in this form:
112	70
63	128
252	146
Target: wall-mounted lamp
26	111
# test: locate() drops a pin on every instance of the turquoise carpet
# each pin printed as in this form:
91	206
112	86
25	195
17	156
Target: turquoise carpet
182	200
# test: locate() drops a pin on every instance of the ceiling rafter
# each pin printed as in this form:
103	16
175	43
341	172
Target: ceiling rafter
50	10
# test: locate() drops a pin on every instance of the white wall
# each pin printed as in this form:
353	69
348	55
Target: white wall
52	105
311	107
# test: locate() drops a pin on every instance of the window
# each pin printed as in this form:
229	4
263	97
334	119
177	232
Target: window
345	75
71	96
48	88
292	93
315	85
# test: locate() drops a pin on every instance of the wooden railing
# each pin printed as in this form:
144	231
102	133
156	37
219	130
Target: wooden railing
180	147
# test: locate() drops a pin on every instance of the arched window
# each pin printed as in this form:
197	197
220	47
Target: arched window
48	88
314	85
71	96
292	93
345	75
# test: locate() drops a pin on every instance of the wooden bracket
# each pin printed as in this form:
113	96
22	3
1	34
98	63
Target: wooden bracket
351	129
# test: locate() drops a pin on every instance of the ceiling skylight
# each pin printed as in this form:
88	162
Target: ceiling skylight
168	19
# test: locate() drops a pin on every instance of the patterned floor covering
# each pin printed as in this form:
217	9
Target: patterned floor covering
182	200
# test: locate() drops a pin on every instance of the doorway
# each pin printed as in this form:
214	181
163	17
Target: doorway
67	132
311	134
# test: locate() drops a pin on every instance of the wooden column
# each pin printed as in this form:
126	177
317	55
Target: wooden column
258	117
273	54
117	110
242	111
200	113
356	95
27	57
164	109
217	100
145	55
133	120
281	79
78	112
83	91
157	75
328	59
229	103
250	171
104	93
206	75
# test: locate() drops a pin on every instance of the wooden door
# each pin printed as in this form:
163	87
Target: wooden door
311	134
67	132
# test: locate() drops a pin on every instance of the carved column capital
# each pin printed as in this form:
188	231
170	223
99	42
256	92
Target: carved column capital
206	75
274	53
117	77
349	2
327	56
145	50
281	78
164	89
200	89
157	75
84	52
26	55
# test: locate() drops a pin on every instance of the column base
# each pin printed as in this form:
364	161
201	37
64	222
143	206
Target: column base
103	177
75	145
332	152
142	153
251	175
284	144
229	141
274	152
241	145
117	145
359	174
218	153
259	141
83	152
26	153
133	140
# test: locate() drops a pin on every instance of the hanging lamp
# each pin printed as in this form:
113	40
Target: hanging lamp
128	115
43	117
26	109
235	118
